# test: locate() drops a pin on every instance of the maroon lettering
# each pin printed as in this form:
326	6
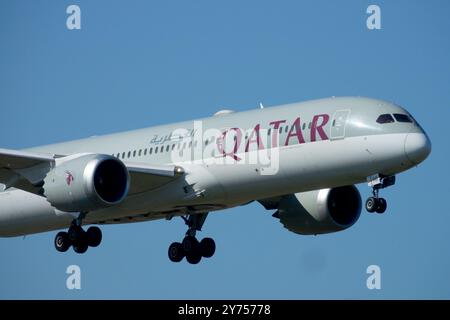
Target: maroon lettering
319	127
295	131
221	141
257	139
276	125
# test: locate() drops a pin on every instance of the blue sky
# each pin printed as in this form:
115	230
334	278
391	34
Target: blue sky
135	64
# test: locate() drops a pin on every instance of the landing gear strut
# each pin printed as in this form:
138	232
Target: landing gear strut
377	182
76	237
190	247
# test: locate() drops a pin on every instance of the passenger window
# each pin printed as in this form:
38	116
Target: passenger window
173	147
286	129
123	155
140	151
145	151
385	118
134	153
167	148
129	154
150	151
304	125
162	149
268	131
156	150
402	117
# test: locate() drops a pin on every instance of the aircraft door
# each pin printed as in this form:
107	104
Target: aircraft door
337	129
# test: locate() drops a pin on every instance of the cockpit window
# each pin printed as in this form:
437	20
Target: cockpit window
385	118
402	117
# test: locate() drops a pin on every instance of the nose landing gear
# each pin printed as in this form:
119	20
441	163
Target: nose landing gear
377	182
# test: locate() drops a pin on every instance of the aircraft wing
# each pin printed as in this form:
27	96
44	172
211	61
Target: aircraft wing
15	159
146	177
15	169
25	170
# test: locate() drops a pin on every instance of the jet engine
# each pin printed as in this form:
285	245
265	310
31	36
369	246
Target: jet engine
86	182
320	211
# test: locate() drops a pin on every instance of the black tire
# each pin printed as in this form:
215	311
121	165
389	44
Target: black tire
193	257
382	205
207	247
190	245
371	204
176	252
62	242
80	245
94	236
80	248
75	234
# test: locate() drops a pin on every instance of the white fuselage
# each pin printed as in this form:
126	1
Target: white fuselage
313	145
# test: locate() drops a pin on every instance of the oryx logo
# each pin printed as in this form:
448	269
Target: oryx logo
69	178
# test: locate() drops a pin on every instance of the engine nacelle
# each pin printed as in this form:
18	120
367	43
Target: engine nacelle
320	211
86	182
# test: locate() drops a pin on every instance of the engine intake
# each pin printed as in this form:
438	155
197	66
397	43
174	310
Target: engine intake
86	183
320	211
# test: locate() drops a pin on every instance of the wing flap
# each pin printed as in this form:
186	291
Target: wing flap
15	159
149	177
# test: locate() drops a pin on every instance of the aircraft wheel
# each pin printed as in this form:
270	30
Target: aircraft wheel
75	233
207	247
191	247
80	248
382	205
94	236
62	242
371	204
190	244
194	257
81	244
176	252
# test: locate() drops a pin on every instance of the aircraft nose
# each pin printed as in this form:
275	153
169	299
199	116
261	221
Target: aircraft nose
417	147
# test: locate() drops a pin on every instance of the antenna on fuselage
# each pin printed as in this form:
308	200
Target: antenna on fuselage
261	105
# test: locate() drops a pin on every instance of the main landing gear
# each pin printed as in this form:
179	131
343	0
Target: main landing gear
190	247
76	237
377	182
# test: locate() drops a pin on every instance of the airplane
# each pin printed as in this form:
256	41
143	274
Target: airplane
301	160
